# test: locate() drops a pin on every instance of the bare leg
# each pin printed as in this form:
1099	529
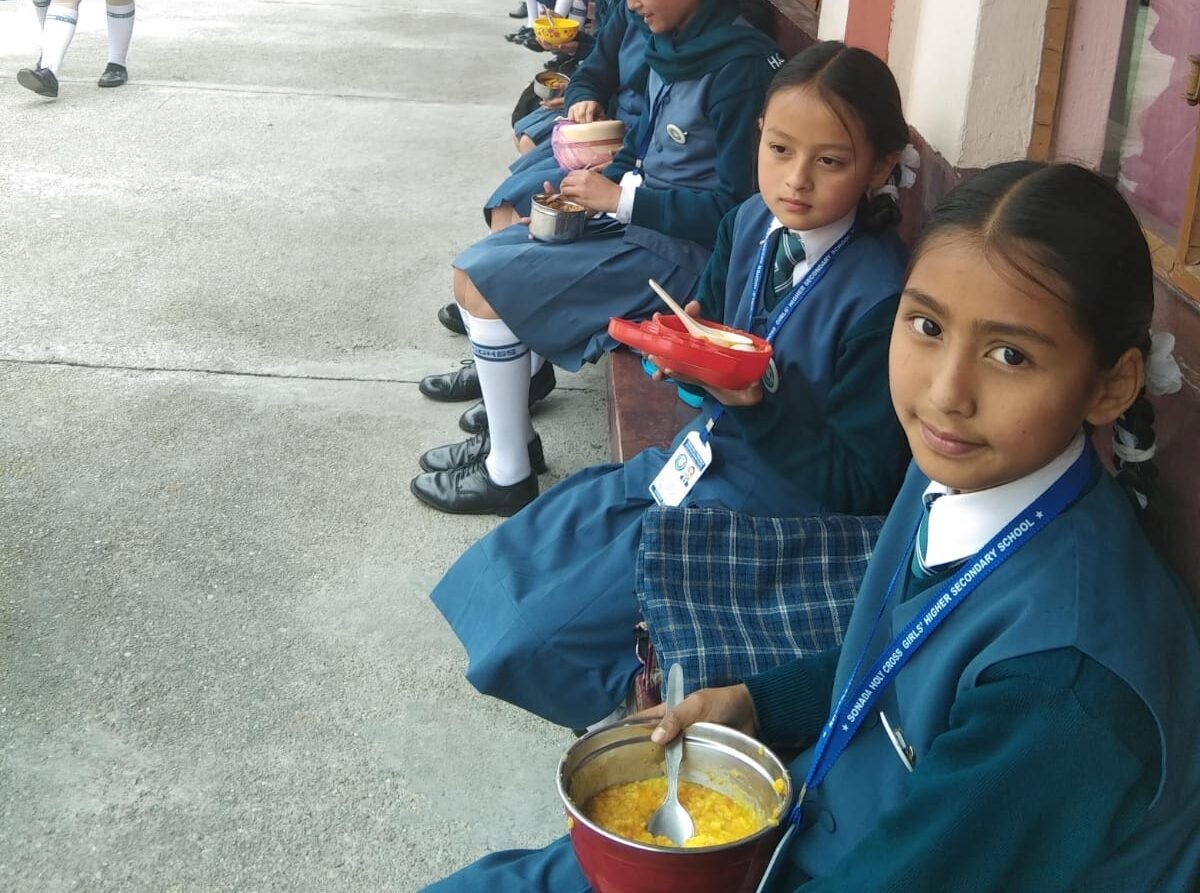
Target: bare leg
470	298
503	217
525	144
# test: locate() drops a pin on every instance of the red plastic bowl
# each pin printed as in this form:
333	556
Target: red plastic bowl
715	756
721	367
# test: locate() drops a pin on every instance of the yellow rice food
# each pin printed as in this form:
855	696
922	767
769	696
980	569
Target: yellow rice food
624	810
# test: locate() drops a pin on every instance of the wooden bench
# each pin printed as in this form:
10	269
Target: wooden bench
641	412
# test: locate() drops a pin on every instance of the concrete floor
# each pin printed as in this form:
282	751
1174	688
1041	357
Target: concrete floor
219	668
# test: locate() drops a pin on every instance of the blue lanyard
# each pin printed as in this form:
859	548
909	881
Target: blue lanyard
794	299
858	697
644	146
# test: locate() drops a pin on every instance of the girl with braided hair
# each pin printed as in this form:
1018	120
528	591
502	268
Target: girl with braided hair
1016	702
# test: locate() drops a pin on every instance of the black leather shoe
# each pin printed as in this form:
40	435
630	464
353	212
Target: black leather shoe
521	35
531	43
453	387
474	420
476	449
114	75
470	491
40	80
451	317
519	12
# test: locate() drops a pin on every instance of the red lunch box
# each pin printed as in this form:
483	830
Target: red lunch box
722	367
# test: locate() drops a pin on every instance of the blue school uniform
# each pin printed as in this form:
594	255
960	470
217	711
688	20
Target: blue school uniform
558	298
614	75
1081	649
549	593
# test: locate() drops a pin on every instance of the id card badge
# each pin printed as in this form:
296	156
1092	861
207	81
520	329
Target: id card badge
685	467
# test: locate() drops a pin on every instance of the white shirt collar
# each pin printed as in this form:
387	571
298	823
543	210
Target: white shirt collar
816	241
960	524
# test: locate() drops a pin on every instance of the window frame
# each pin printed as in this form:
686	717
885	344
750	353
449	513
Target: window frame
1177	262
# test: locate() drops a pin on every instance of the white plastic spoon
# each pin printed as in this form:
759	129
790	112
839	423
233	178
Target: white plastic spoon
699	330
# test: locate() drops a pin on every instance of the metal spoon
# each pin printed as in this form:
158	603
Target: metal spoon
699	330
672	820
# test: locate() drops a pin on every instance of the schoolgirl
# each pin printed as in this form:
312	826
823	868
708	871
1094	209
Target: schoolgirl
610	82
810	263
1038	731
533	125
57	20
684	166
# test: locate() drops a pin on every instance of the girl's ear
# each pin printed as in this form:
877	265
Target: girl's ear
1117	388
760	124
884	165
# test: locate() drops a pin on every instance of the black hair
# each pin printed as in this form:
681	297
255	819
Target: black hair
859	82
1069	231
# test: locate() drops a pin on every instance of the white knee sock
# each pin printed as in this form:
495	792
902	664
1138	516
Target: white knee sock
531	9
57	34
39	6
120	30
503	364
535	363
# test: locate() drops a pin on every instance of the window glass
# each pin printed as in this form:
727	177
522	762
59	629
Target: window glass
1151	135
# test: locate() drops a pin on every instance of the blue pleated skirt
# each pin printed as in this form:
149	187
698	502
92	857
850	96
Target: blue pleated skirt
548	595
537	124
558	298
528	175
553	869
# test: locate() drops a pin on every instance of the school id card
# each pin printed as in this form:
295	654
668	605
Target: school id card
685	467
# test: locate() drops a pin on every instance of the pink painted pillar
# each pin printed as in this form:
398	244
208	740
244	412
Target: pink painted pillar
869	25
1093	47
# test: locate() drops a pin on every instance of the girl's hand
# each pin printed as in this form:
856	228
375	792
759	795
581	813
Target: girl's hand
555	103
592	190
586	112
730	706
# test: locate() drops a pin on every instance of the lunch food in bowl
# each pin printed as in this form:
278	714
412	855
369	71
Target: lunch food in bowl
549	84
577	146
745	794
733	366
553	218
555	32
625	809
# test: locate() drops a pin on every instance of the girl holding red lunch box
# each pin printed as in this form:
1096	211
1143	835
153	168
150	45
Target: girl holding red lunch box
813	265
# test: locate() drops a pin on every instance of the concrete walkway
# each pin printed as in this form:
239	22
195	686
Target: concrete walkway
219	669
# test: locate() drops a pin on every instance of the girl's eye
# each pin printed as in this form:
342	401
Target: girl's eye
778	149
829	161
923	325
1009	356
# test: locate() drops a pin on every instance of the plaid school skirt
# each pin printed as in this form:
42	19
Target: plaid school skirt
728	595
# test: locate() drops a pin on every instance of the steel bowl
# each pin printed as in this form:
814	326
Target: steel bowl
543	90
715	756
553	225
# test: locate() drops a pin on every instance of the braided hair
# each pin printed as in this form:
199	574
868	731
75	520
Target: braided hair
1070	232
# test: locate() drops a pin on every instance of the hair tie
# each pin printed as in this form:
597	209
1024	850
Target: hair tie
909	164
1162	371
1125	447
904	175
